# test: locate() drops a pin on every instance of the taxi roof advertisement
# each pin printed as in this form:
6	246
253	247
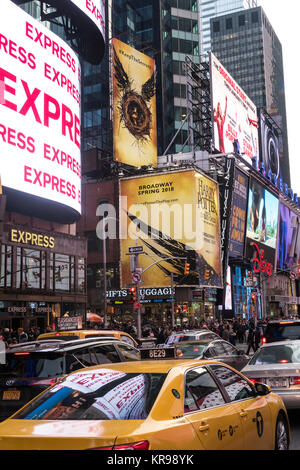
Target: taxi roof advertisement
234	114
175	216
40	111
134	106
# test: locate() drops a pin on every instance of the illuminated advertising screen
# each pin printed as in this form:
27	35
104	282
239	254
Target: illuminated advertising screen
40	115
134	106
288	249
238	215
269	144
234	114
95	10
174	218
262	222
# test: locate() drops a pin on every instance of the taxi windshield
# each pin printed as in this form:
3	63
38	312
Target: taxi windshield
97	395
279	354
191	350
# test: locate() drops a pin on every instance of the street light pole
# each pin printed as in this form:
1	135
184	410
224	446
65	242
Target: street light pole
104	277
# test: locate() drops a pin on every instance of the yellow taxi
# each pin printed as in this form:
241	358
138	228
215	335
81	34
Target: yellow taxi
156	405
82	334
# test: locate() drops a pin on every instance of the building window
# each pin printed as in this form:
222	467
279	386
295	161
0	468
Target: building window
31	269
6	266
216	26
242	20
254	17
229	23
81	275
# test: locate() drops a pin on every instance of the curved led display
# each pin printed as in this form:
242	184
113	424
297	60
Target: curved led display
40	118
89	18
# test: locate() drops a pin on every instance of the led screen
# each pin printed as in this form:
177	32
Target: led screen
262	222
94	9
288	245
40	111
234	114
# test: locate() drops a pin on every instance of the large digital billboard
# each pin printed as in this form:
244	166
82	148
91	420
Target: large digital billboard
238	215
86	21
288	249
174	217
262	224
234	114
40	117
269	144
134	107
95	10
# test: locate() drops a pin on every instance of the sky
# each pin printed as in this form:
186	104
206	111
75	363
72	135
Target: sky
284	18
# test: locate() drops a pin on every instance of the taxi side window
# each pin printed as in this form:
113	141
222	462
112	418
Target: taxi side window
236	387
104	354
128	353
218	347
127	340
201	391
230	350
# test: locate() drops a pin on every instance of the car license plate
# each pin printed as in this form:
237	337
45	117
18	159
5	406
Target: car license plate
278	383
11	395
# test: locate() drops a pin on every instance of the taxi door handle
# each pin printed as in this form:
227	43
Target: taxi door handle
203	427
243	414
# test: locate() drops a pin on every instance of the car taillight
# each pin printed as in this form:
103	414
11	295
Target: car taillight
264	340
255	380
142	445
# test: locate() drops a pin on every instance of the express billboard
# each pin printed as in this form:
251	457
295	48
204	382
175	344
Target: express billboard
173	216
134	106
288	248
95	10
86	18
234	114
40	117
262	224
238	215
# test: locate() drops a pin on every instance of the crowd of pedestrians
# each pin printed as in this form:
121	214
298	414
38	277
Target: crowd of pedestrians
236	331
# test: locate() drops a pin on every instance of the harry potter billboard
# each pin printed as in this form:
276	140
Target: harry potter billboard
134	106
175	217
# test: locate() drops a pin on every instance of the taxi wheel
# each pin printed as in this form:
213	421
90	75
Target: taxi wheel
281	434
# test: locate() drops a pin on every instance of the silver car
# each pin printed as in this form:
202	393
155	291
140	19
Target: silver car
278	366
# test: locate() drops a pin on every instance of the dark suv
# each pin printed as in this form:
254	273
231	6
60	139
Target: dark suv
32	367
281	330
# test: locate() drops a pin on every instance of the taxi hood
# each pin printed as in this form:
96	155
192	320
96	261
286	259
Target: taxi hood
64	435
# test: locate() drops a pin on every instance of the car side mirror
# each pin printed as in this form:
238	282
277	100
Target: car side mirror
262	389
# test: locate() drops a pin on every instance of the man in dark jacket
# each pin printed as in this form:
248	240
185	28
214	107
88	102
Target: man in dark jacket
251	340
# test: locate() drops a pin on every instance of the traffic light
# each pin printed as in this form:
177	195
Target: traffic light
187	268
132	291
298	271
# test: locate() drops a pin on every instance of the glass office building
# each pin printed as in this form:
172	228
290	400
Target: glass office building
212	8
250	50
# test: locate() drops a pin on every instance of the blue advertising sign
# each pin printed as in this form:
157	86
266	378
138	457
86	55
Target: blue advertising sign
238	215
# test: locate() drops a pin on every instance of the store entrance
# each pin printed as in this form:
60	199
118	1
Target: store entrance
11	323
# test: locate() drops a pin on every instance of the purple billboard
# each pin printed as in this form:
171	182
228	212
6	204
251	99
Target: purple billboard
288	247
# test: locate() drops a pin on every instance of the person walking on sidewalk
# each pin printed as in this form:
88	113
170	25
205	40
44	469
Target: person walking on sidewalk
251	340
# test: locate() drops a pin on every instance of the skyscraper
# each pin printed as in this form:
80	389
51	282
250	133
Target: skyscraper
212	8
250	50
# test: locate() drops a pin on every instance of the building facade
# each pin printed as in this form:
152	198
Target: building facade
249	48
